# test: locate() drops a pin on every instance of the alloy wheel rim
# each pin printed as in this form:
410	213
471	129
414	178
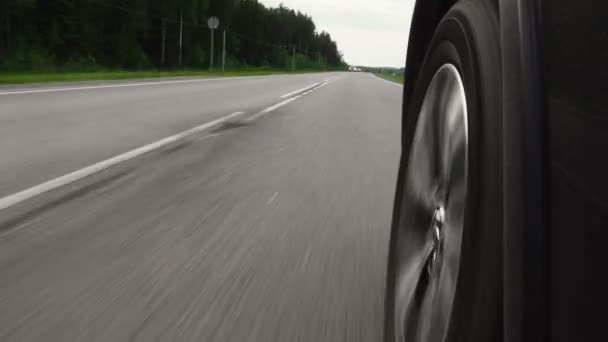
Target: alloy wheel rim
432	214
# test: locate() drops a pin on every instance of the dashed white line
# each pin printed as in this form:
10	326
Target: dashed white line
19	197
285	102
323	84
11	200
271	108
273	198
306	257
300	90
280	104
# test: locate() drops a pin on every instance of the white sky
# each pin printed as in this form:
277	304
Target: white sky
369	33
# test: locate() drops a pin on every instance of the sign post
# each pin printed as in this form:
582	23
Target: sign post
213	23
224	53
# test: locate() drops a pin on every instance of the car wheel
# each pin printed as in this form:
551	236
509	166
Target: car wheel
444	279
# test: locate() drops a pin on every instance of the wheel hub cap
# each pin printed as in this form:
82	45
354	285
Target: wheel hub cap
436	226
431	221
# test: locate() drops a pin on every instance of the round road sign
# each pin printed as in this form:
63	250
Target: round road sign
213	23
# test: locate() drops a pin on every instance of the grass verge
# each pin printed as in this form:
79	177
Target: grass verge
391	77
41	77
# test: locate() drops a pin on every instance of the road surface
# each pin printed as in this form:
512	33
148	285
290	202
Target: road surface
271	225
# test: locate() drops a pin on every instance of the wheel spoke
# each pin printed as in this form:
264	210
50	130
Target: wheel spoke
424	174
413	245
432	320
412	250
454	147
432	213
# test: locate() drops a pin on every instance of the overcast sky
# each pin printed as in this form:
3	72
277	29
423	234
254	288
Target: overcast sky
368	32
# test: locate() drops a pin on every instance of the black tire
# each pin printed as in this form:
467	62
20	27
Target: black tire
468	38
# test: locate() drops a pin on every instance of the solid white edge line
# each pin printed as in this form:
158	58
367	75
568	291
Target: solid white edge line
51	90
11	200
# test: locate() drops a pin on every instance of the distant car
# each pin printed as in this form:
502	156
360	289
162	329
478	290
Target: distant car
501	213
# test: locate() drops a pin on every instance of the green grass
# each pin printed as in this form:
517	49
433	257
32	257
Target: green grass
392	77
39	77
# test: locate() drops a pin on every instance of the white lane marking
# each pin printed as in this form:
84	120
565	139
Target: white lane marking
271	108
284	102
11	200
280	104
323	85
306	257
387	81
300	90
274	197
51	90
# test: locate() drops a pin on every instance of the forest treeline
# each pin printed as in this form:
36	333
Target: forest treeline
140	34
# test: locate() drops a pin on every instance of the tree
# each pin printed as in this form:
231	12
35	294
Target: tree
38	34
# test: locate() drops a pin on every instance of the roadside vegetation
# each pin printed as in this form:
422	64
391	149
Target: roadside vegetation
64	76
57	40
393	77
391	74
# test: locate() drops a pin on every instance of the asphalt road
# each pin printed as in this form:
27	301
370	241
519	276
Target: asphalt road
267	227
